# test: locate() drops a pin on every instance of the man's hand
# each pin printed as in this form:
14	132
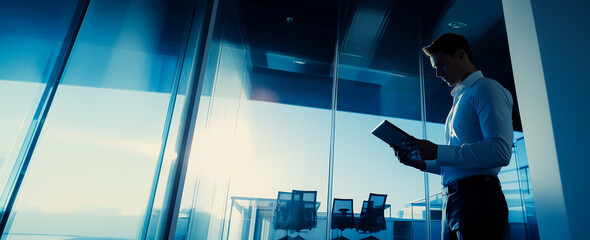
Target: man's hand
425	149
401	156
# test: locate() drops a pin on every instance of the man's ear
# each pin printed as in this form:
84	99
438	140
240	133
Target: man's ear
461	54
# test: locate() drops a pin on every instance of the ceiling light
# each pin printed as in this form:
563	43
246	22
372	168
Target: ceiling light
457	25
299	62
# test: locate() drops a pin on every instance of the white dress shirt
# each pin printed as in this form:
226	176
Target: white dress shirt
478	131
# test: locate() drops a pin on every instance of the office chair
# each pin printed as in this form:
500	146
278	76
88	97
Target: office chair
342	216
280	220
303	211
362	221
373	215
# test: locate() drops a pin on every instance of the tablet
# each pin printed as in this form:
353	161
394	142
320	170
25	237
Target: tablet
392	135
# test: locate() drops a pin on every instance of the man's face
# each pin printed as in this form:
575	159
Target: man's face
447	67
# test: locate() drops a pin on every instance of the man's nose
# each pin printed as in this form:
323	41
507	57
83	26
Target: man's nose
438	73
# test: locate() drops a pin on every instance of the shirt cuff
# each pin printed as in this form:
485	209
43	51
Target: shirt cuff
432	167
445	154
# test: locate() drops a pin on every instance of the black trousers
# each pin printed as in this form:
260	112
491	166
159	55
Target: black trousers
474	208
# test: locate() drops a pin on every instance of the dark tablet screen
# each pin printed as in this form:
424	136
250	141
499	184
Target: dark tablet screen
391	134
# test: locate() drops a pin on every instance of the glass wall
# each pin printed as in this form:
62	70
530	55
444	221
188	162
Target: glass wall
31	47
288	93
252	139
526	191
93	166
378	79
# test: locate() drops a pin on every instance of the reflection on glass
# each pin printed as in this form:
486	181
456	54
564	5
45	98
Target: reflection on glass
526	191
31	36
375	84
254	136
93	166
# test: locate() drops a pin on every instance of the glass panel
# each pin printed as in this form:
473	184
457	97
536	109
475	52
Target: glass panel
509	179
263	123
378	79
526	191
95	160
31	36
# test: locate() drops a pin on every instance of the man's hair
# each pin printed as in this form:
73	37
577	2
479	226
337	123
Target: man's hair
449	43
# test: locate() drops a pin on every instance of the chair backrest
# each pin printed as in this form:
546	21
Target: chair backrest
378	200
282	211
342	214
364	209
303	210
372	217
362	221
376	212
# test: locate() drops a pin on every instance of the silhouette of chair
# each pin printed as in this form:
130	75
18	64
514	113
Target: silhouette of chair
342	216
282	211
362	221
303	211
295	211
372	217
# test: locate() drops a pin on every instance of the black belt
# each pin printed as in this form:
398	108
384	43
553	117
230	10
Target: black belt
468	183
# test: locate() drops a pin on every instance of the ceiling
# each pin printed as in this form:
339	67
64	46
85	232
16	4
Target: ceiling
292	46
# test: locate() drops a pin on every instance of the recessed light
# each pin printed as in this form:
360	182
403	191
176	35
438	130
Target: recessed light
299	62
457	25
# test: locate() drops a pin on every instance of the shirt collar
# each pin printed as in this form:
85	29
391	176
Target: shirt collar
466	83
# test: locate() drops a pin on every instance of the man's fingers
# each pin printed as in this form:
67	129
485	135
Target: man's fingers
411	142
415	154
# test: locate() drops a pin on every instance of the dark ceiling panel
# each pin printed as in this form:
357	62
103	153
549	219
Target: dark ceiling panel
301	29
291	88
292	46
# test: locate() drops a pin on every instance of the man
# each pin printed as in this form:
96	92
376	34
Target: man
478	133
